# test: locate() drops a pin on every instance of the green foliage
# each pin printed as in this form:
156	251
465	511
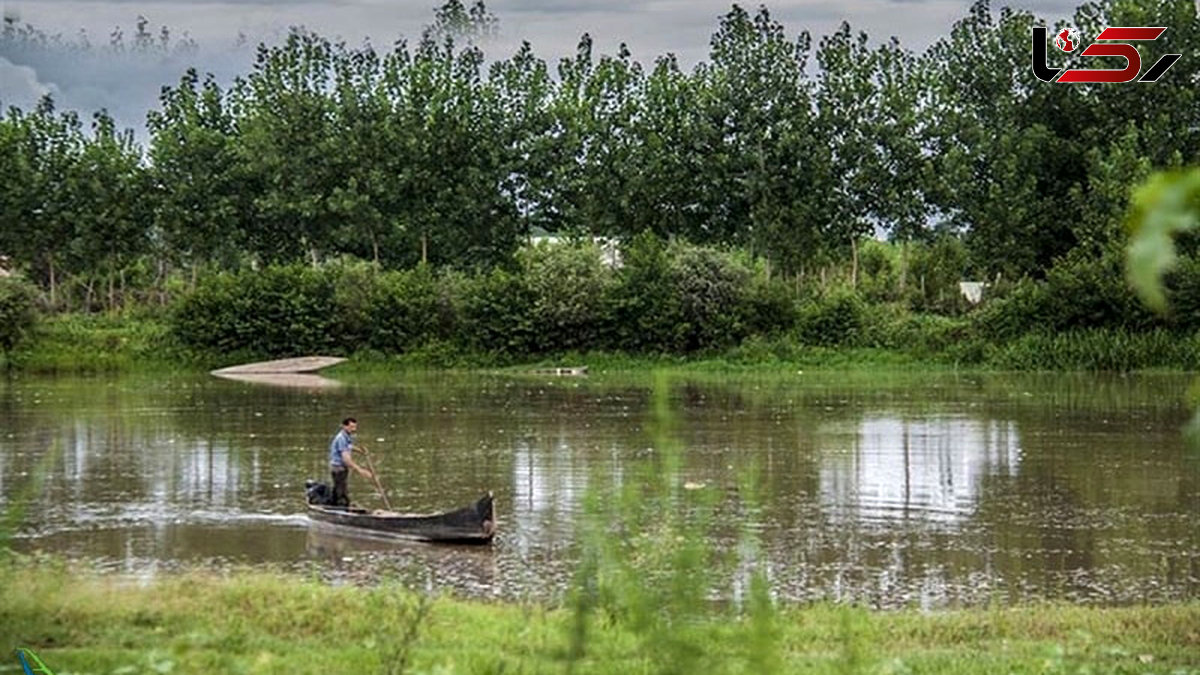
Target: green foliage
645	307
196	622
1078	293
1104	349
101	343
406	310
435	153
18	313
837	317
934	272
678	297
571	288
277	311
711	288
645	546
1165	206
497	314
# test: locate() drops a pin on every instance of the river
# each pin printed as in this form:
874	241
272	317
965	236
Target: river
929	490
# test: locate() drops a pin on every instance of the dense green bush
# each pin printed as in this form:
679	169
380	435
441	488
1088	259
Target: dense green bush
672	298
1092	293
408	310
835	317
1078	293
276	311
679	297
497	314
1013	311
929	336
572	289
879	271
769	307
646	312
712	289
934	270
18	313
1183	295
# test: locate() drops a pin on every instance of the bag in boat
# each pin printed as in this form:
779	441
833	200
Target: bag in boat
318	493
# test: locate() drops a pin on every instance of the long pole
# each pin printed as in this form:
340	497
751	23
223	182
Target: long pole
375	478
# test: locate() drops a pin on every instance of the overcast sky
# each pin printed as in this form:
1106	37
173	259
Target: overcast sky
128	88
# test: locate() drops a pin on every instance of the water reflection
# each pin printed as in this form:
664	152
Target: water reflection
933	491
930	469
293	380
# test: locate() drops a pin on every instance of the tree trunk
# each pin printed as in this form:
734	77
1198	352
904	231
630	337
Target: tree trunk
854	263
53	284
161	282
424	248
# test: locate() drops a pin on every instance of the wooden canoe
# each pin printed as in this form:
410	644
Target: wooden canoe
474	524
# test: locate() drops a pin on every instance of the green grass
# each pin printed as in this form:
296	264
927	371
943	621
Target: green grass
135	342
263	622
99	343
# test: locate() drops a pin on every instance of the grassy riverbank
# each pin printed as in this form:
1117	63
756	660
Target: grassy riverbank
133	342
257	622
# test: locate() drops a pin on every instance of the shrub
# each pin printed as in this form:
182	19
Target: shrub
878	271
1092	293
712	288
934	271
497	314
836	317
1183	295
646	311
408	310
1078	293
933	337
18	313
1015	311
571	289
769	307
277	311
679	297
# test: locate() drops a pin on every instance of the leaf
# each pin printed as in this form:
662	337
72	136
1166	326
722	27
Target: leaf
1164	206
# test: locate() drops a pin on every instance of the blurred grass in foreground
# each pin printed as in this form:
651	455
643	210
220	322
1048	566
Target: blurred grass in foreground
259	622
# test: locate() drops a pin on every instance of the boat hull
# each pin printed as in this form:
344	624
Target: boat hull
474	524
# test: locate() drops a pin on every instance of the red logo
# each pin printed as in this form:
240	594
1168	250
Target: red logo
1067	40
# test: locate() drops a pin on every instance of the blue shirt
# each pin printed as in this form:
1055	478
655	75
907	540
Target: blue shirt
341	441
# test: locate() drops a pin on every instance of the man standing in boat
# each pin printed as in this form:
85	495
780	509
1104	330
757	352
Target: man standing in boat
340	461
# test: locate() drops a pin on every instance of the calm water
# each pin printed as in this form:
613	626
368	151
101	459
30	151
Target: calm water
900	490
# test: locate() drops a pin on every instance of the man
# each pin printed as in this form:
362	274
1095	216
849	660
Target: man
340	461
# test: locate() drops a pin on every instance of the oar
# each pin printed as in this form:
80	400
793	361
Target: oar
375	477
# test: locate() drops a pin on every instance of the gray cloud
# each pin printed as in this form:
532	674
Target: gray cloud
21	86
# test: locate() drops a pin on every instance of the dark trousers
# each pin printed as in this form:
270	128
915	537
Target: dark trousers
341	494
